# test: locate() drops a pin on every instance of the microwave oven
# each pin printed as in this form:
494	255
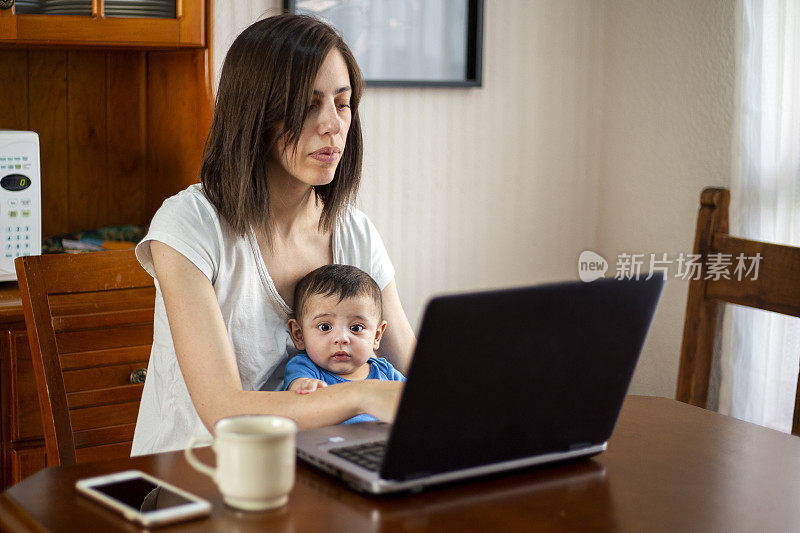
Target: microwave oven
20	199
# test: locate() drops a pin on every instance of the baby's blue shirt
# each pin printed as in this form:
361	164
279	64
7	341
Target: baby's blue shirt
301	366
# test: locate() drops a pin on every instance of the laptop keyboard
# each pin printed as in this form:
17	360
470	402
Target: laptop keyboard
368	455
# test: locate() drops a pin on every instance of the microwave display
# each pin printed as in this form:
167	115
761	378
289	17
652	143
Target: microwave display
15	182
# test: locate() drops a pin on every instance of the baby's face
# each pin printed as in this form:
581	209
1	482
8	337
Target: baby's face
340	336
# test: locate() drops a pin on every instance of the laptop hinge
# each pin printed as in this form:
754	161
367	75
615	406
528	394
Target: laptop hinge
416	475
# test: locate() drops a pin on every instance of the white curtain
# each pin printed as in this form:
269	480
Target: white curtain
760	375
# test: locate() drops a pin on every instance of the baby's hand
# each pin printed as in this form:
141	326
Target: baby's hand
306	385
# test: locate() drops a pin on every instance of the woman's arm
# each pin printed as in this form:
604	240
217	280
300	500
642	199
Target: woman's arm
398	342
208	363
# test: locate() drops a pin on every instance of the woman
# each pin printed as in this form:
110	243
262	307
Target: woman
280	170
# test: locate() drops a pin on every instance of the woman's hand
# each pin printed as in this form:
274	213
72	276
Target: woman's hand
380	398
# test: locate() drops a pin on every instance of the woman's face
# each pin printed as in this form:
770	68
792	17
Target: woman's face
325	128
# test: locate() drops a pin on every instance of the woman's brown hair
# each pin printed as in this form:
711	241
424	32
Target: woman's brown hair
268	79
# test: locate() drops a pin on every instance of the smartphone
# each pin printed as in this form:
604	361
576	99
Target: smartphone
143	498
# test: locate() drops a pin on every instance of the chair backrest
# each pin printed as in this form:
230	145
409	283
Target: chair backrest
776	289
90	326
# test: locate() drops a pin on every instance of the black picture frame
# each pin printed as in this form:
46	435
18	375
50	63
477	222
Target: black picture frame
473	48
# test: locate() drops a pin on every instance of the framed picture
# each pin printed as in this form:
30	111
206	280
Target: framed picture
407	43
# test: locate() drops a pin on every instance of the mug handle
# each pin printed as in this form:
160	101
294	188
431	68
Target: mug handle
194	462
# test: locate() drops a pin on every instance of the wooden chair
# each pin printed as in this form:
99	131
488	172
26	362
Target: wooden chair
776	289
90	327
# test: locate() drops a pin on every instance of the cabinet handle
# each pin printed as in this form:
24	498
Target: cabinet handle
138	375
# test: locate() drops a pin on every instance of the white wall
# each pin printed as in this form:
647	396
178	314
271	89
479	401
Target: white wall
597	125
494	186
667	133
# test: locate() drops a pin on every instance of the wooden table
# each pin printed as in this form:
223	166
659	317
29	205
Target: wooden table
669	466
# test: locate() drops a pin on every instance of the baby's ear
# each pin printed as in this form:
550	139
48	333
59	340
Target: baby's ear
378	335
297	334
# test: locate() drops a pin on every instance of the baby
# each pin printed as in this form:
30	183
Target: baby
337	326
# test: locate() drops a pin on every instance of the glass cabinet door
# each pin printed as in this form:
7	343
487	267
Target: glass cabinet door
140	8
110	8
116	23
53	7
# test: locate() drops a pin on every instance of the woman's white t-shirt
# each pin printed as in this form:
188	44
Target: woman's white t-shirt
254	313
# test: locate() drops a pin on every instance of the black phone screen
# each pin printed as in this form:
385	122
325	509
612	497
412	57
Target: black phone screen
141	494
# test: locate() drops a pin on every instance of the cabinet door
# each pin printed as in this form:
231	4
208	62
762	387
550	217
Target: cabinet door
186	29
26	419
26	462
23	451
8	25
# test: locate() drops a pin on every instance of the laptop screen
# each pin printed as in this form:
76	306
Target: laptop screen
509	374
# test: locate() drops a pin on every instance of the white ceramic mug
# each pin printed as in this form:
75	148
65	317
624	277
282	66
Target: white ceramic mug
255	460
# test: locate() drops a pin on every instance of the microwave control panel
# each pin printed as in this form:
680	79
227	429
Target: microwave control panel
20	199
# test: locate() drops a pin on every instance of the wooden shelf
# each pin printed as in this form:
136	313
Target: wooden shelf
186	30
122	107
10	303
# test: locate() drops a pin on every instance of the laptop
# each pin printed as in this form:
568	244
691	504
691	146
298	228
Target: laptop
500	380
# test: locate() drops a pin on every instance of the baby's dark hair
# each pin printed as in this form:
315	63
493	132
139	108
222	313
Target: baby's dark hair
344	281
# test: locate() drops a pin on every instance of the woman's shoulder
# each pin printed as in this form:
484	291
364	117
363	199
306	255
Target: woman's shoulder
189	208
358	243
353	215
191	197
188	223
356	224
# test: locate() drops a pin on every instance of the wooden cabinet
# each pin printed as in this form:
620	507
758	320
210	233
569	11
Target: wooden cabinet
122	107
22	446
100	378
121	123
26	422
26	461
187	29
